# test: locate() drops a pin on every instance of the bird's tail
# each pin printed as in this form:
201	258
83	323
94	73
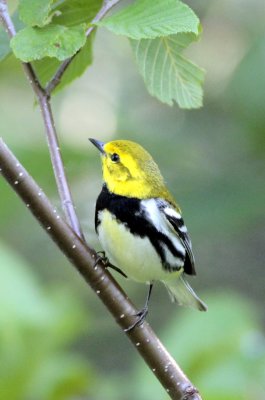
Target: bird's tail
181	293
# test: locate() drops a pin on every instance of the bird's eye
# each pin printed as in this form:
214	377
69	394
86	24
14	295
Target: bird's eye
115	157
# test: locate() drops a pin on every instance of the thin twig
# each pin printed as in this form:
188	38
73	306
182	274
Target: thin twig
56	79
83	258
52	138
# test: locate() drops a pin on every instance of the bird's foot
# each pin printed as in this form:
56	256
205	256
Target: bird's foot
101	257
107	264
140	318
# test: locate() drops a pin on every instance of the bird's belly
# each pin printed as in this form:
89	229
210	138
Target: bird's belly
134	255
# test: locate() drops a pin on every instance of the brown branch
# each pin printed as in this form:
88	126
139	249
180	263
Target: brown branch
56	79
82	257
51	134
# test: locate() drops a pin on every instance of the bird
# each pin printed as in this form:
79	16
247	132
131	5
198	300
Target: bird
140	226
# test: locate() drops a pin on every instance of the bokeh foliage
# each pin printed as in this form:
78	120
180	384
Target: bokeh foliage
37	329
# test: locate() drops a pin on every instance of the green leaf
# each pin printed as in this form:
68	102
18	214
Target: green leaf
35	13
75	12
4	39
149	19
168	75
70	13
56	41
47	67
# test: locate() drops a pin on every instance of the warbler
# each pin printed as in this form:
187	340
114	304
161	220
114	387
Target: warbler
140	226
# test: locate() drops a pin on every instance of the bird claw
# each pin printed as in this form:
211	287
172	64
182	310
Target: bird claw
140	320
101	257
142	313
107	264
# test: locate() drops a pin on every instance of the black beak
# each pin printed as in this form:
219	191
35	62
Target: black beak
99	145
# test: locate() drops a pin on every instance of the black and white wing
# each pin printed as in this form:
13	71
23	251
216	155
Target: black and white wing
176	222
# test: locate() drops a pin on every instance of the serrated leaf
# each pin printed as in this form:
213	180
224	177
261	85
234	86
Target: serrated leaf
168	75
4	39
47	67
35	13
75	12
56	41
149	19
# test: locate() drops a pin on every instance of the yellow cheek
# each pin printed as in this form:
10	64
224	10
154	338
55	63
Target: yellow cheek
114	172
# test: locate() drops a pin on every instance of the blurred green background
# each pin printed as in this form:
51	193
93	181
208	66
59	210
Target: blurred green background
56	339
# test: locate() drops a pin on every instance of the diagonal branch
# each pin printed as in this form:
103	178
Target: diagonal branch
83	258
51	134
56	79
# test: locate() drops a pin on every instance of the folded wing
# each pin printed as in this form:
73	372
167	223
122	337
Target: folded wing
176	223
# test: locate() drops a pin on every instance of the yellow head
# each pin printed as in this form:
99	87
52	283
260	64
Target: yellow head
129	170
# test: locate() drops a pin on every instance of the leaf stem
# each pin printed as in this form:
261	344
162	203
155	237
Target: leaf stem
56	79
107	289
50	130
